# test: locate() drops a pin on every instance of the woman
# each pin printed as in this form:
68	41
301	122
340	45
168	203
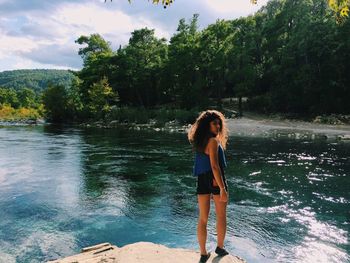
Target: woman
208	136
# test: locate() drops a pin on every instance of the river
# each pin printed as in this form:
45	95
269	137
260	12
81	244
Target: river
63	188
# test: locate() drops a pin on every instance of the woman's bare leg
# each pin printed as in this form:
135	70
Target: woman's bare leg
220	208
204	208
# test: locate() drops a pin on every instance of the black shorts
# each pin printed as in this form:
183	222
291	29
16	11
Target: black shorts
205	183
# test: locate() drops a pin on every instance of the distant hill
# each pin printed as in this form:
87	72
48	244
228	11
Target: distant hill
36	79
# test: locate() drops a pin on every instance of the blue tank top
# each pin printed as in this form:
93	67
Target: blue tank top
202	162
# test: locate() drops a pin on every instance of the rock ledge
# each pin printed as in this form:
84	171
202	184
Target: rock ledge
141	252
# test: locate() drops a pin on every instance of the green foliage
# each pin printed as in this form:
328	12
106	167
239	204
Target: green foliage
160	114
144	59
340	8
96	46
216	42
183	116
101	97
74	102
96	55
55	99
27	98
289	57
129	114
35	79
9	96
183	66
302	56
18	105
9	113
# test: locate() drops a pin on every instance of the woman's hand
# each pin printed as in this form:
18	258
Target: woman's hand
223	195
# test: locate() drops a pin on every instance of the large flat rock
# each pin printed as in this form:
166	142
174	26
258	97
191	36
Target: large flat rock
141	252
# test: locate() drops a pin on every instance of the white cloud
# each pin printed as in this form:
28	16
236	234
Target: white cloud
48	38
232	7
91	18
31	31
11	45
18	62
55	54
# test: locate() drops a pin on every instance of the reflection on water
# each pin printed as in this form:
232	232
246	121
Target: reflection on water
64	188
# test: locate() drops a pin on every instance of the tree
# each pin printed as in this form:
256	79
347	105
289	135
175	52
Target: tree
96	56
184	65
144	59
244	58
340	8
101	97
289	57
96	45
35	79
27	98
75	106
9	96
55	100
215	44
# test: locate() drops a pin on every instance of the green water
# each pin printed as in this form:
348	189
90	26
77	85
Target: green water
64	188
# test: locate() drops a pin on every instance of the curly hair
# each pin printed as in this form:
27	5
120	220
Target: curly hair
199	133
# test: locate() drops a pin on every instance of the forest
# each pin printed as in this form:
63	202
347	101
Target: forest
35	79
21	91
289	57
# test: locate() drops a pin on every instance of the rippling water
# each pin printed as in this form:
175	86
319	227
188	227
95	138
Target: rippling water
63	188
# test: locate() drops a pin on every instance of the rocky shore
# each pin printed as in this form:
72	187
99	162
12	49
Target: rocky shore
269	126
22	122
141	252
251	124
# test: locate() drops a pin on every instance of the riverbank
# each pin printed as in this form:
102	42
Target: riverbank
251	124
22	122
141	252
260	125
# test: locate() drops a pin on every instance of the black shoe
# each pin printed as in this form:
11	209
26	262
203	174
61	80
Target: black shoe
221	251
204	258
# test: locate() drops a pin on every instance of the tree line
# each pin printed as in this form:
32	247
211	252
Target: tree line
288	57
35	79
21	91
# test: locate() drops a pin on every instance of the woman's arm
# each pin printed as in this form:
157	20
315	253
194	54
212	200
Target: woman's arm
213	147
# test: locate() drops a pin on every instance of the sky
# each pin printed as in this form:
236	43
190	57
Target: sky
42	33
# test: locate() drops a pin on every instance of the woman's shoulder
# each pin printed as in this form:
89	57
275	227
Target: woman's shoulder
214	141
